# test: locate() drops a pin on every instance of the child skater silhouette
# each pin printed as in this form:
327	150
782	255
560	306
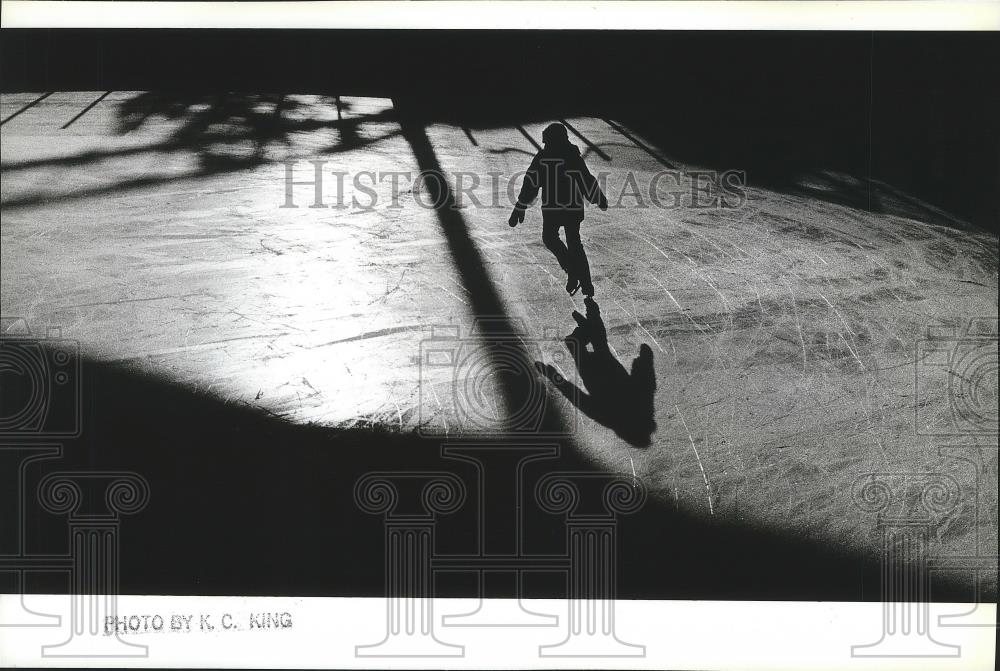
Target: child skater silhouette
560	173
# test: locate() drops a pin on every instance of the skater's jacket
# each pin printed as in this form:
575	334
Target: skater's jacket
564	180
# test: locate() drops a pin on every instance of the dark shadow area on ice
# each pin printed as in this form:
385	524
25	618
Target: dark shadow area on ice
245	502
616	398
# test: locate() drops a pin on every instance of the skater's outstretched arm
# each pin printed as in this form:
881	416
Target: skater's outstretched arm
575	395
591	187
529	191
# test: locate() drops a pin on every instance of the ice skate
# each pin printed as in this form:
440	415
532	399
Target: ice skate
572	286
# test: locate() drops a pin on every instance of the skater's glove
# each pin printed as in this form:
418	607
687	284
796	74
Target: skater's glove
516	217
603	202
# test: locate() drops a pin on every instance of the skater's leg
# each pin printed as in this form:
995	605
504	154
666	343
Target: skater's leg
578	258
550	236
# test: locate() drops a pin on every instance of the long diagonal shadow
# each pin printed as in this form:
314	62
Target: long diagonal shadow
502	339
27	107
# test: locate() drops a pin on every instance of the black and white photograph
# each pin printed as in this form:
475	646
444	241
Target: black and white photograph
499	335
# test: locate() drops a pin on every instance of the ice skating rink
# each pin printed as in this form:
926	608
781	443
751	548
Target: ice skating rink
785	332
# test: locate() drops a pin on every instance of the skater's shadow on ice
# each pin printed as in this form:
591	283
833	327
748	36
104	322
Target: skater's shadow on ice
616	398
